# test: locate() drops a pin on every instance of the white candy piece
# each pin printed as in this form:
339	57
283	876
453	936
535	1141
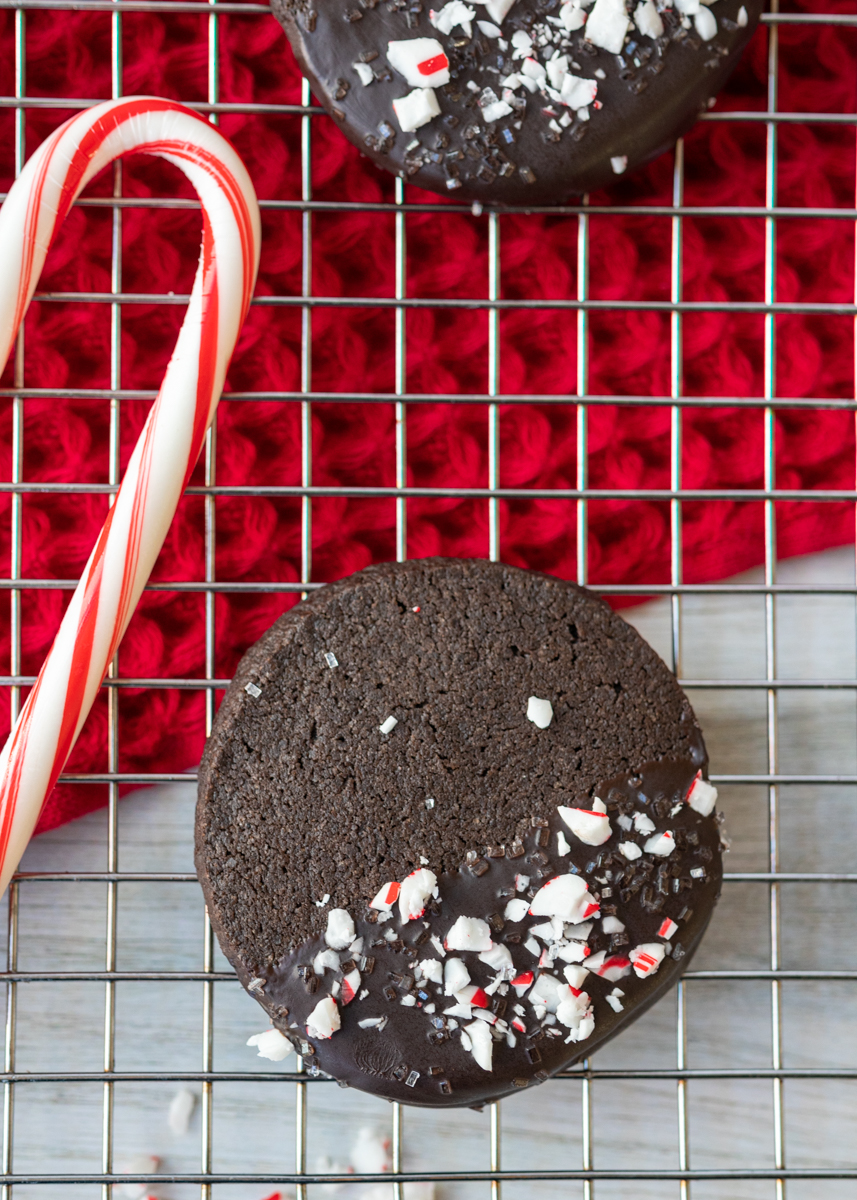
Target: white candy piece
516	910
571	16
366	76
577	92
414	893
326	960
607	25
498	957
572	1010
743	19
481	1043
612	925
391	722
496	111
386	898
490	30
613	999
609	966
456	13
702	796
350	986
456	976
340	930
643	824
549	992
373	1023
271	1045
646	958
431	969
324	1020
648	20
631	850
661	844
497	10
562	846
421	60
588	825
706	24
416	109
575	975
619	163
469	933
540	712
181	1110
566	897
370	1152
140	1164
572	952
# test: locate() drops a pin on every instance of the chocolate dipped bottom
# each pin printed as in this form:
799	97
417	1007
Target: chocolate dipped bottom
454	829
524	102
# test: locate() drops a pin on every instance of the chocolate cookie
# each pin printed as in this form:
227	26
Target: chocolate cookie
453	828
516	101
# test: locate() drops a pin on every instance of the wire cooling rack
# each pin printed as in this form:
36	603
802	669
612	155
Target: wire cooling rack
771	1173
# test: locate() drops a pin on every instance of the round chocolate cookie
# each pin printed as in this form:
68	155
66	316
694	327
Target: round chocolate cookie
453	828
516	101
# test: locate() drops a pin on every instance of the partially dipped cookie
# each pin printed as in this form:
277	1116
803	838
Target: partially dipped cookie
516	101
454	828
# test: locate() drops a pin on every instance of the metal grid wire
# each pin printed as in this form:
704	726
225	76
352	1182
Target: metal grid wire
489	1173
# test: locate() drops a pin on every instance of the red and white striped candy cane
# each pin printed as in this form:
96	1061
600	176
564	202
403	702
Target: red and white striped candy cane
169	445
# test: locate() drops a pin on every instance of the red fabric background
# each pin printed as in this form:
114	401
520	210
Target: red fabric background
67	345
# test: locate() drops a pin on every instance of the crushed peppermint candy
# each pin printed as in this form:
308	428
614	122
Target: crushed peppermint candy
647	958
478	1040
630	850
516	910
367	76
562	846
612	925
431	969
373	1023
589	825
607	25
660	844
566	897
609	966
325	960
614	999
422	61
323	901
387	897
619	163
469	933
668	929
324	1020
702	796
643	824
648	19
743	19
340	930
391	722
412	112
350	986
454	14
415	892
540	712
456	976
575	975
271	1045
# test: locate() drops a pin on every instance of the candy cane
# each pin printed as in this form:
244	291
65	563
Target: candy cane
164	457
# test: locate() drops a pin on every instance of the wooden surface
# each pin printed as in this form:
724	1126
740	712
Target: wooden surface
158	1025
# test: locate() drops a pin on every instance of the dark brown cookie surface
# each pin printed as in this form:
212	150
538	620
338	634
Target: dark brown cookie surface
302	797
527	102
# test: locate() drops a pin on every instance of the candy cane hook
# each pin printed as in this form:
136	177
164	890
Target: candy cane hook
169	445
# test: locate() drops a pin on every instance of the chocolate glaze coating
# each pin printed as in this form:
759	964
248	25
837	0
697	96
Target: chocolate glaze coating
647	96
301	795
